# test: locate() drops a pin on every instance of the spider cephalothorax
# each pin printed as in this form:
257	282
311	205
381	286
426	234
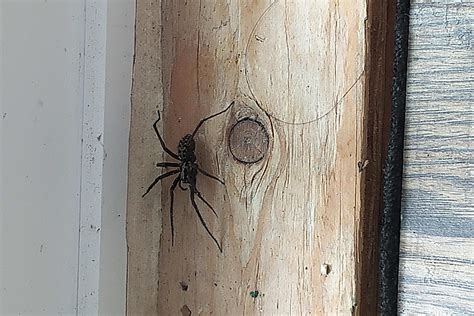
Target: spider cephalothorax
187	170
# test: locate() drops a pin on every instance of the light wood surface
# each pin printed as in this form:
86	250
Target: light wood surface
144	215
290	224
437	233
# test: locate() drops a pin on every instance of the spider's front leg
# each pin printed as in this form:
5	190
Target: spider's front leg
162	142
210	117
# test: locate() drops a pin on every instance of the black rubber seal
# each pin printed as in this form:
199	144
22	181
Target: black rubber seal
389	234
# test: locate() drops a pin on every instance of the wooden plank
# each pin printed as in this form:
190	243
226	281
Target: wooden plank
280	219
294	224
379	72
437	233
144	216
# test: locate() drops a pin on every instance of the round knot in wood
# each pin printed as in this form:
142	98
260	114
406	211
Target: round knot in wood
248	141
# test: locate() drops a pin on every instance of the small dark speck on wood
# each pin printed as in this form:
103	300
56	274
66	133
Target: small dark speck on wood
185	311
259	38
184	286
362	165
254	294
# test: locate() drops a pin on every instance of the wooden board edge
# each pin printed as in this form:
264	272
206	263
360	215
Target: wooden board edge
379	60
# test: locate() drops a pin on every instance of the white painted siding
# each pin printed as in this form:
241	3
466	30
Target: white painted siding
56	58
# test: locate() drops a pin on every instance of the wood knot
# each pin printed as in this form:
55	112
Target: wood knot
248	141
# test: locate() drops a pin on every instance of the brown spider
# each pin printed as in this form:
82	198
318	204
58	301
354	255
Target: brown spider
187	172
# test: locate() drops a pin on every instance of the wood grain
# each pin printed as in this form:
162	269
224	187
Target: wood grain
143	215
376	124
437	233
290	224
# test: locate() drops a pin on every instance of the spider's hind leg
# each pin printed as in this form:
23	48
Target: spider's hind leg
173	186
159	178
205	202
207	174
192	193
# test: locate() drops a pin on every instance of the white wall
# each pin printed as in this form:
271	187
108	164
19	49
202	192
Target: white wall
65	79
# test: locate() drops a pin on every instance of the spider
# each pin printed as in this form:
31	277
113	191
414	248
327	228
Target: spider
187	170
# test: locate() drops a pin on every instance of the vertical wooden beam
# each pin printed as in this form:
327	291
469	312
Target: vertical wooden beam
143	215
291	223
376	123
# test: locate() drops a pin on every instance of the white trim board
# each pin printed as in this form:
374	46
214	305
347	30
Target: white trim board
93	157
118	85
65	82
109	34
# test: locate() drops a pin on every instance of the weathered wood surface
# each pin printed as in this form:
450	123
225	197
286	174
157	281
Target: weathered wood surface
437	233
292	225
143	215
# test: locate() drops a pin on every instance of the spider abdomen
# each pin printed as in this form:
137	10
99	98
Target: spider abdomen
186	148
188	172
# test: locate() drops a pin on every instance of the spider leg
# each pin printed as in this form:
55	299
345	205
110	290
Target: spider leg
212	116
205	202
192	192
162	142
210	175
167	164
159	178
173	186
